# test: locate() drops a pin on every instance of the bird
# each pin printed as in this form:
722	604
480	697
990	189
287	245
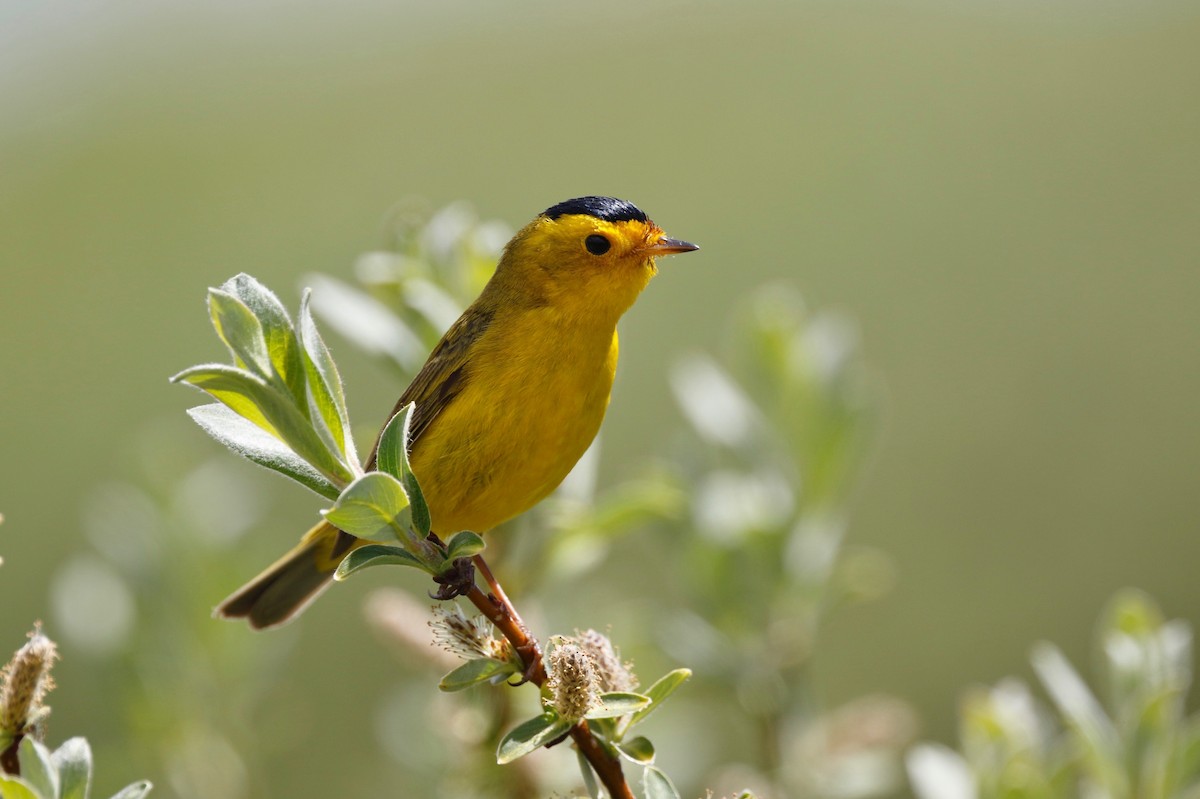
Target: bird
510	397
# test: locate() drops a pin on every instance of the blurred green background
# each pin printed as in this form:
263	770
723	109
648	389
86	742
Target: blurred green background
1004	196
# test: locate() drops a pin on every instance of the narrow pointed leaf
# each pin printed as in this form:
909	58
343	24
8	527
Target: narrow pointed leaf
589	776
431	301
253	398
367	322
36	768
474	672
1100	739
135	791
241	331
73	761
639	750
325	382
605	728
376	555
713	402
392	457
464	544
371	507
619	703
233	387
255	444
658	785
282	346
658	693
531	735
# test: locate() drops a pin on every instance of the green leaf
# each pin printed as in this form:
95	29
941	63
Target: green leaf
36	768
368	323
638	749
623	507
715	404
377	555
392	458
280	338
436	306
619	703
658	785
17	788
73	761
530	735
325	382
241	331
251	397
474	672
589	776
1080	708
464	544
134	791
605	729
658	693
371	508
256	445
1188	747
233	387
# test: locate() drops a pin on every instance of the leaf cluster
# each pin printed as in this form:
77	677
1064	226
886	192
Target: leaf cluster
613	717
281	404
28	770
779	424
1133	737
408	293
779	427
65	773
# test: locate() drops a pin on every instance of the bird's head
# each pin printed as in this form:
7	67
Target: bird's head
597	251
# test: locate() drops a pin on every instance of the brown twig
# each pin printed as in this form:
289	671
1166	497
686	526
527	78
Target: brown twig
499	610
606	766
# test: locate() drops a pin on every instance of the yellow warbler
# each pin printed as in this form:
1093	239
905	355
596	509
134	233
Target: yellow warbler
512	395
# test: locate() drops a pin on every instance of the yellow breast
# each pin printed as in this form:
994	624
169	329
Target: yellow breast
536	390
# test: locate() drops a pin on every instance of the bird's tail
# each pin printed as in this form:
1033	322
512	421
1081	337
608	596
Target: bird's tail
289	584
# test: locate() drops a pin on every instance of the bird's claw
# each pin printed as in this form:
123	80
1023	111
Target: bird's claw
458	580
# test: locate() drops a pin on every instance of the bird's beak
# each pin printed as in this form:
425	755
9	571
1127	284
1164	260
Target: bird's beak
666	246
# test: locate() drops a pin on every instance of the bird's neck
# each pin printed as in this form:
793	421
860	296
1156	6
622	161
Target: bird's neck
564	308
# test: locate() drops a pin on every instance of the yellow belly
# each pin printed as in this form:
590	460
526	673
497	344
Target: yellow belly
525	416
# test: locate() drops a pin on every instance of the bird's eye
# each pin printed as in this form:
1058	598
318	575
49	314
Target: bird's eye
597	244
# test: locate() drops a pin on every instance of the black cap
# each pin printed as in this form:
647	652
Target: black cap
610	209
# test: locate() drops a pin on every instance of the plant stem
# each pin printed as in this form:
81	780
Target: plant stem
499	610
606	766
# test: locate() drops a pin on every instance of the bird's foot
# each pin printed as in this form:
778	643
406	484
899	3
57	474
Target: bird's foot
457	581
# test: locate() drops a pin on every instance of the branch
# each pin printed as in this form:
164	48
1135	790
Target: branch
499	610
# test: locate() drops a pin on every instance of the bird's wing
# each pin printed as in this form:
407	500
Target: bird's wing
442	377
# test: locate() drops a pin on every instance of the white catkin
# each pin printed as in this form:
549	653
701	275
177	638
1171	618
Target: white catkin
26	681
573	683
